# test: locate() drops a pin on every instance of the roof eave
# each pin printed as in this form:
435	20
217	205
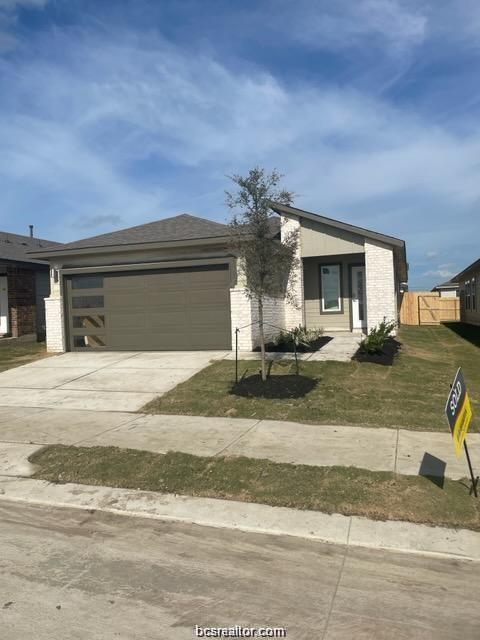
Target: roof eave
345	226
120	248
397	243
474	265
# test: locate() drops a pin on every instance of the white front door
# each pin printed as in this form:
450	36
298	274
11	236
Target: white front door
359	303
3	305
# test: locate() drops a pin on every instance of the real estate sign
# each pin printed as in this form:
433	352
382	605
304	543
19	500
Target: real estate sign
458	411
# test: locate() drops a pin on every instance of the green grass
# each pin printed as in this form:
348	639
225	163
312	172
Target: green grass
14	353
410	394
346	490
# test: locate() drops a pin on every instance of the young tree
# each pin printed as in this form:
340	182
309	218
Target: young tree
267	264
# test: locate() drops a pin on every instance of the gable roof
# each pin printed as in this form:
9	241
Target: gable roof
15	247
474	265
449	284
336	224
397	244
182	227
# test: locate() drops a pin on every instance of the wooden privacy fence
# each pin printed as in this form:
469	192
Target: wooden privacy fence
427	307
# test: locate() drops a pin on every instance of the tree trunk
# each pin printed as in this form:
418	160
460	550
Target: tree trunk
262	338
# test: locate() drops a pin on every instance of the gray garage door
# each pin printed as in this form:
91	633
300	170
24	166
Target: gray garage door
165	310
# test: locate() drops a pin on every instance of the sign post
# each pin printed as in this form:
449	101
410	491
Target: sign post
459	415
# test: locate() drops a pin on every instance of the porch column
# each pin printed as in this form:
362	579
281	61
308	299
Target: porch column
54	316
294	313
380	283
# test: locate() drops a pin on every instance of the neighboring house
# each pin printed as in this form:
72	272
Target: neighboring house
447	289
173	285
469	282
24	283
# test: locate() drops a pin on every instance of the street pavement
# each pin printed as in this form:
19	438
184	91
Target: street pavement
72	574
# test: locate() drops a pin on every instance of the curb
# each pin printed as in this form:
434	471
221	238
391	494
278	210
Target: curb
250	517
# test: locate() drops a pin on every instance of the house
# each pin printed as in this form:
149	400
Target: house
447	289
469	283
174	285
24	283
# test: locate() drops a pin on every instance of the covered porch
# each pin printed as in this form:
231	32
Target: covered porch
335	297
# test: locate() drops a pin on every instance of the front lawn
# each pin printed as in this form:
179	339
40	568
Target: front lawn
346	490
410	394
14	353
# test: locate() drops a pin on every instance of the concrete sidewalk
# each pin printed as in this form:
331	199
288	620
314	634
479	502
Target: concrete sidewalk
398	450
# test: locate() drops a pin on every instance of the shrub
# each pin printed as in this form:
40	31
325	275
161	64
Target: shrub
378	336
300	336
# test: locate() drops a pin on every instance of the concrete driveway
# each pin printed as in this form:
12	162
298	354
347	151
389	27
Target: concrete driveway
119	381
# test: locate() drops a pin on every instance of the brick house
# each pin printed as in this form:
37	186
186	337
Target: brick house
175	285
24	283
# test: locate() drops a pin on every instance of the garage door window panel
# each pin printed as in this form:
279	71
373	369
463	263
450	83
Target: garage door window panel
87	302
87	282
92	322
89	342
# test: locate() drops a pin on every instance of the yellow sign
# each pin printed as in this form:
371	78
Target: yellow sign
462	425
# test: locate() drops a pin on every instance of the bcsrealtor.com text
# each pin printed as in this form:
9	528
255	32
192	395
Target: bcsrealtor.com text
238	631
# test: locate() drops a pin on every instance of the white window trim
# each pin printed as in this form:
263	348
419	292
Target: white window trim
339	308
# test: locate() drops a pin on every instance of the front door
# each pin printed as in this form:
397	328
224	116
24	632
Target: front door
3	305
359	304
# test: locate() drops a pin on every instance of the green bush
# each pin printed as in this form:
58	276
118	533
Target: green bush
302	337
377	337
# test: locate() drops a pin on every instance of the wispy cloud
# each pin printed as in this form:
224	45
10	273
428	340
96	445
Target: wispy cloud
94	222
343	24
446	270
8	18
125	124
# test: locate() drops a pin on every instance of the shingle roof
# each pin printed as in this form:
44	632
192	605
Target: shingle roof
446	285
16	247
474	265
176	228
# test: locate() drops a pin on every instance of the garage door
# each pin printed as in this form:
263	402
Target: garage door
165	310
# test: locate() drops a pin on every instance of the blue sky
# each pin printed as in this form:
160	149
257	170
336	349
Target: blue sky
115	113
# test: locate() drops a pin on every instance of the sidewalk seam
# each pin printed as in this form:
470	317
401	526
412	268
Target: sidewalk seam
235	440
100	433
396	451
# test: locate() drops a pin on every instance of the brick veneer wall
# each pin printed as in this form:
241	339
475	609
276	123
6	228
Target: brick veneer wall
54	324
380	283
21	301
294	310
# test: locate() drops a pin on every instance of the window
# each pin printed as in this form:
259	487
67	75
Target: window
88	342
330	288
87	302
87	282
89	322
467	294
473	293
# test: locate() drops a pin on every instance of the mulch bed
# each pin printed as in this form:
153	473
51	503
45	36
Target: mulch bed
386	357
271	347
284	386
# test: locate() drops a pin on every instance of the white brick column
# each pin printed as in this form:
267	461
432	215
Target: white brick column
380	283
241	315
54	316
294	313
